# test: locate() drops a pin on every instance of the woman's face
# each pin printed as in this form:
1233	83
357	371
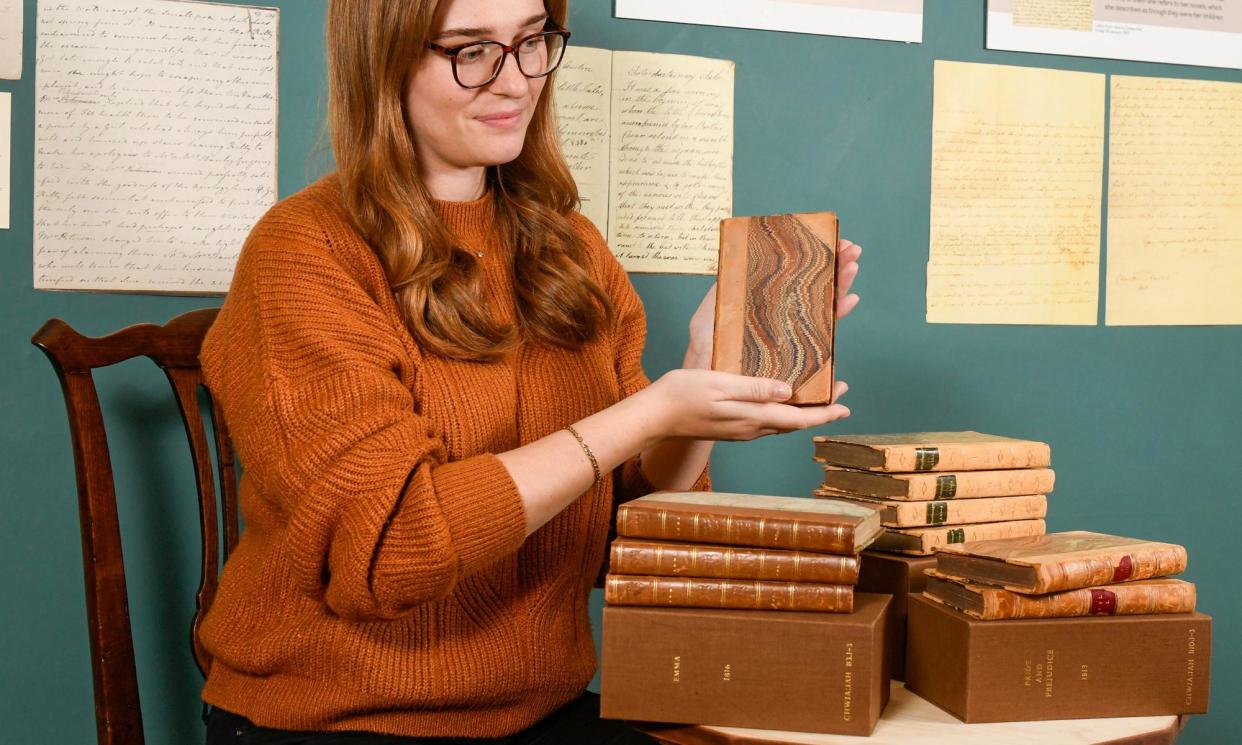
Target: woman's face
455	127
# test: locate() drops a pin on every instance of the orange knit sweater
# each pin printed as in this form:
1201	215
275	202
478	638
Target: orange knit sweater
383	582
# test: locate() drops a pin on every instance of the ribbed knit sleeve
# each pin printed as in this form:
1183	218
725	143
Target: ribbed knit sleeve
630	336
316	383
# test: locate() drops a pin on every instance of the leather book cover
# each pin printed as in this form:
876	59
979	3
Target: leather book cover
1058	668
899	576
987	603
1060	561
931	451
667	559
776	301
927	541
796	523
898	514
803	672
923	487
753	594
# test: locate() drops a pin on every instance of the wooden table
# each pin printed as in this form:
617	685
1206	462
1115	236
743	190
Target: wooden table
911	720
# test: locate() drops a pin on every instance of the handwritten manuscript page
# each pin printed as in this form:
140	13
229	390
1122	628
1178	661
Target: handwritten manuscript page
1017	163
671	176
583	100
11	39
1174	203
155	142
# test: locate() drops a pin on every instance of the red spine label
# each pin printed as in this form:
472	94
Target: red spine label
1124	569
1103	602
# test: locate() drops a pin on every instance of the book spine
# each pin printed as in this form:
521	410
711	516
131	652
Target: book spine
997	509
696	592
726	562
973	485
925	541
636	520
1112	600
980	456
1103	569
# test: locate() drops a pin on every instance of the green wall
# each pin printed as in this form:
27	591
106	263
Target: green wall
1144	422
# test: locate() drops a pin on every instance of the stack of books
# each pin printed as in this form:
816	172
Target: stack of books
1005	630
739	610
716	550
933	489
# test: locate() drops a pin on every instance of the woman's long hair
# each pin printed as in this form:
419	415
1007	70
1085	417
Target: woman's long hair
372	45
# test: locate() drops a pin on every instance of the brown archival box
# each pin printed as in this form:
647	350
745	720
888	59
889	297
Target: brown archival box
899	576
1058	668
804	672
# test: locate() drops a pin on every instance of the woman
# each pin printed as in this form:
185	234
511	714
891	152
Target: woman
431	366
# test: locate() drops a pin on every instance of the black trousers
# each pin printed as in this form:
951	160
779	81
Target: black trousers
576	723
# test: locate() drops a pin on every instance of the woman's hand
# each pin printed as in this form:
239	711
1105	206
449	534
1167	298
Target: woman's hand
848	254
703	322
711	405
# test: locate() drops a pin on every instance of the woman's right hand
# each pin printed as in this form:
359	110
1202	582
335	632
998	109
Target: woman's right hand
712	405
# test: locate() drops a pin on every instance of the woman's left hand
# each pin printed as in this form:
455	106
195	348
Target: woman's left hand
702	323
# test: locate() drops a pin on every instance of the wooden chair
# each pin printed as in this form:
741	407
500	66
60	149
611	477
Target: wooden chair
175	348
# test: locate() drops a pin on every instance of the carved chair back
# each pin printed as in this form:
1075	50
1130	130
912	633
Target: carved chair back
175	348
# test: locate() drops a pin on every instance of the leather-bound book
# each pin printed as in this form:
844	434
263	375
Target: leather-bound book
666	559
1058	668
923	487
931	451
753	594
804	672
1060	561
898	514
776	301
796	523
989	603
927	541
899	576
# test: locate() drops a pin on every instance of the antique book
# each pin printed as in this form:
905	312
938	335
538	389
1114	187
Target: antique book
795	523
1058	668
806	672
990	603
931	451
899	576
898	514
926	541
1060	561
707	592
776	301
922	487
667	559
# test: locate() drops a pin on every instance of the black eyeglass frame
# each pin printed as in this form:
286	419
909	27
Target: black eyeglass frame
505	51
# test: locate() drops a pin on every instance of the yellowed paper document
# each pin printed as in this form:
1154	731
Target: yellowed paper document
671	161
11	39
6	157
583	96
1017	164
1174	203
1073	15
155	142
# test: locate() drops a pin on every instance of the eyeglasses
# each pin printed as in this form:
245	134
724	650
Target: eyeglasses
479	63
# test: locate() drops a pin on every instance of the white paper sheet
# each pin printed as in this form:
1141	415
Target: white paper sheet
893	20
155	142
11	39
1179	32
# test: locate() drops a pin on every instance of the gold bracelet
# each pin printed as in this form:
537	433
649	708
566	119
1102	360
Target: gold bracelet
586	449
